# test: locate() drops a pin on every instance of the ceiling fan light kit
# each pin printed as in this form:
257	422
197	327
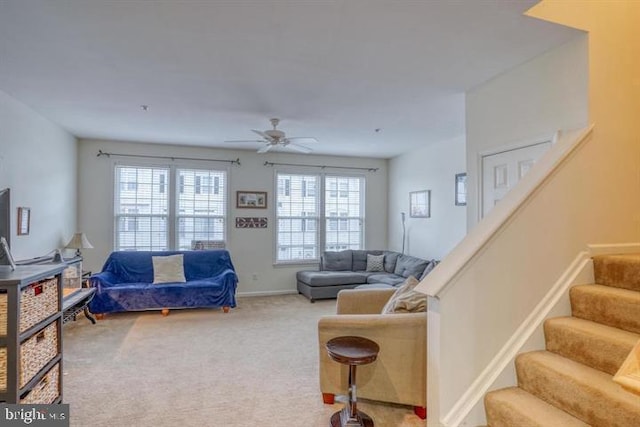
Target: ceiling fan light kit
275	137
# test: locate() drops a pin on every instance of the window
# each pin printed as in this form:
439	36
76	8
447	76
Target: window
201	211
310	221
149	217
344	212
141	214
297	217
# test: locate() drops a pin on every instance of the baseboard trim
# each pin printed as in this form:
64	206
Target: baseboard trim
266	293
614	248
475	393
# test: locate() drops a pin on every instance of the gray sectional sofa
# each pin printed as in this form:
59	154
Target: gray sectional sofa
348	270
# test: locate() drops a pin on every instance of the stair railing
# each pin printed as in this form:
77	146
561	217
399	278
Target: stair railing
472	310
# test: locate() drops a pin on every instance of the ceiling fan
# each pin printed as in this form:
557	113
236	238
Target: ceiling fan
275	137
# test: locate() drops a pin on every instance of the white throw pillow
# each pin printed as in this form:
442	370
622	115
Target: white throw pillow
375	262
168	269
406	300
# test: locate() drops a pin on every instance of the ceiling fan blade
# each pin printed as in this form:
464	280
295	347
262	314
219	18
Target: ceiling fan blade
303	139
262	134
244	140
265	148
299	148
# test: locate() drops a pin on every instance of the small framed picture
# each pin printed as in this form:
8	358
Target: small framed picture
420	204
461	189
5	254
251	199
24	221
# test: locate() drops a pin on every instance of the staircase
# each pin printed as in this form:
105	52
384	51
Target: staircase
571	382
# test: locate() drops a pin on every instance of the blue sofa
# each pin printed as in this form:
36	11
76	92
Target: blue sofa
126	282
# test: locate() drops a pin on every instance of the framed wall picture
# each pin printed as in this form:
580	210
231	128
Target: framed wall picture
251	199
24	221
461	189
420	204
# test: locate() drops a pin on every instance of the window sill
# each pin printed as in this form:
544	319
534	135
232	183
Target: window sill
288	264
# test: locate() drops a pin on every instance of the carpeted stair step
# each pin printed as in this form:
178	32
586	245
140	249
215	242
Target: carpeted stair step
513	406
586	393
611	306
620	271
599	346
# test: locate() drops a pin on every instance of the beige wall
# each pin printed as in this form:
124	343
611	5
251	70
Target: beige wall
38	163
432	167
614	100
526	104
251	249
593	198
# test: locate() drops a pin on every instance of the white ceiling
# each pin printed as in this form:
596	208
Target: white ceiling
213	70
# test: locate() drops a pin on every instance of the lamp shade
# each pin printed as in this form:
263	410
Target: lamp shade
79	241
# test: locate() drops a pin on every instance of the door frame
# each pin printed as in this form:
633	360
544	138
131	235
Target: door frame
512	146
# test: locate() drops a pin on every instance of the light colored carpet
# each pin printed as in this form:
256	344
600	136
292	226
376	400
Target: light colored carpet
256	366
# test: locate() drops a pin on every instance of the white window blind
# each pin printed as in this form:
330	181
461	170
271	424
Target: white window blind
310	221
344	213
202	207
297	217
141	208
150	217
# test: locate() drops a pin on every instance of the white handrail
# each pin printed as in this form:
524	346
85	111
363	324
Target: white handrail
565	143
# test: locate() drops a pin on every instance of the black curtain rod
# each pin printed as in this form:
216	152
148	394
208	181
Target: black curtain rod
321	166
102	153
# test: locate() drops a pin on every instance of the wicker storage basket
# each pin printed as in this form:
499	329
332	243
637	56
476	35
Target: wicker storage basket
47	390
3	369
37	351
37	302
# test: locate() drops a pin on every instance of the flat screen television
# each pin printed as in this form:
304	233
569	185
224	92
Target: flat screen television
5	224
5	214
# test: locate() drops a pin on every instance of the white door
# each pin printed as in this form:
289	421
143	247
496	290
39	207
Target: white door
501	171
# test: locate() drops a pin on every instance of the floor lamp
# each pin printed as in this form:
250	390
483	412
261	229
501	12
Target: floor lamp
403	231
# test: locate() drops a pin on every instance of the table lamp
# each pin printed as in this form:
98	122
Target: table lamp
79	241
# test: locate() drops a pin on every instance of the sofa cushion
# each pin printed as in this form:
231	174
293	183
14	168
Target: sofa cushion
331	278
360	259
390	259
406	300
410	266
430	266
375	286
375	262
168	269
386	278
337	261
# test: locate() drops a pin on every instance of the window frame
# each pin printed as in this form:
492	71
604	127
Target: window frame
206	188
172	188
321	228
341	219
287	189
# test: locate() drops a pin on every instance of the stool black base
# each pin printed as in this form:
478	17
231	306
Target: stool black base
341	419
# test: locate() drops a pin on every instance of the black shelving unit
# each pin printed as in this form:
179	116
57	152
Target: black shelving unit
12	285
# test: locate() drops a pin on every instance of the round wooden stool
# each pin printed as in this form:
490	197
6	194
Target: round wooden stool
352	351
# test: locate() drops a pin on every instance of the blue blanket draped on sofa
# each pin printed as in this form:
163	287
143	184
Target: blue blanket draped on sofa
126	282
